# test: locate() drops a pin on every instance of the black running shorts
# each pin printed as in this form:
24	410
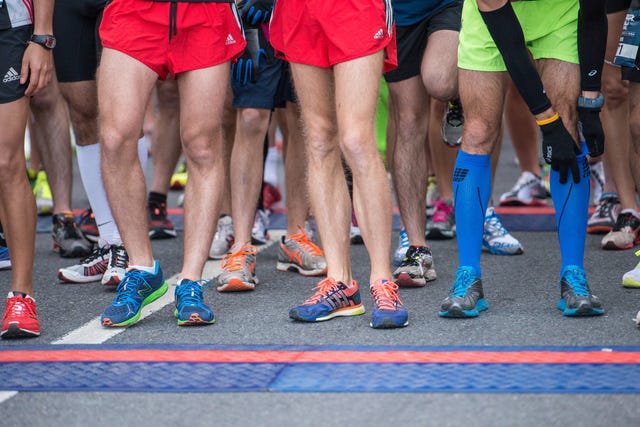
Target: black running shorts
412	40
13	42
75	25
614	6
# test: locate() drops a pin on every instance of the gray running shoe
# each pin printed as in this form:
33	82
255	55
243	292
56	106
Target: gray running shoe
238	269
575	297
466	297
300	255
116	267
527	191
68	240
604	217
223	238
416	268
453	124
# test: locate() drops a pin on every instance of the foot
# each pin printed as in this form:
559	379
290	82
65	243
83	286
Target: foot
238	269
20	318
528	191
605	215
466	297
625	233
223	239
116	266
89	269
388	311
300	255
575	297
330	299
160	227
443	222
631	279
416	268
259	233
190	309
403	247
68	240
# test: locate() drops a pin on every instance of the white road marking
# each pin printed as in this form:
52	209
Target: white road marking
6	395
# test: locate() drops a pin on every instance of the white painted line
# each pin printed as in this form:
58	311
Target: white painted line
6	395
92	332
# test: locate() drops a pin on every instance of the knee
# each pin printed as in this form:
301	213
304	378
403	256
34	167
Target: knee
202	146
479	137
46	99
359	149
441	87
254	121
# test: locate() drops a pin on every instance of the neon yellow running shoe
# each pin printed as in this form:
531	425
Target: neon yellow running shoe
42	191
631	279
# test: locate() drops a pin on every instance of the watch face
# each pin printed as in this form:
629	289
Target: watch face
50	42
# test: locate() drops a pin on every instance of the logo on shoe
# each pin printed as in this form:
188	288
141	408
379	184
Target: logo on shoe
11	75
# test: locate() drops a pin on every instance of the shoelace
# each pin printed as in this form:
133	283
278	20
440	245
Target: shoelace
605	207
462	283
119	257
19	306
128	286
386	295
324	288
494	222
455	117
578	282
442	211
94	255
191	293
301	238
236	260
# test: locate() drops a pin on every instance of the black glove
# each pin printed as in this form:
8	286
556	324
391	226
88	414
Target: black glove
245	70
590	124
559	150
255	12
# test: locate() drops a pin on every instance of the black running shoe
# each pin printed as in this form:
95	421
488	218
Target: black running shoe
68	240
88	226
159	225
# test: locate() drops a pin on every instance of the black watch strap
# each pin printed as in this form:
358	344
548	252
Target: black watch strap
48	41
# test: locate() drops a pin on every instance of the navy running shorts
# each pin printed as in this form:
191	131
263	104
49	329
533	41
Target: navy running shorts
13	42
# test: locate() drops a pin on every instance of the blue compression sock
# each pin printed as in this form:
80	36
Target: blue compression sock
471	192
571	202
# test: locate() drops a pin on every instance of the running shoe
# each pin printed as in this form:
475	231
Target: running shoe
238	269
89	269
453	124
117	265
88	226
575	297
416	268
179	179
466	298
20	318
259	233
631	279
604	217
443	222
403	246
42	192
5	259
597	181
160	227
223	239
270	195
300	255
190	310
528	191
496	239
433	195
625	234
388	311
68	240
137	289
32	176
355	236
545	172
330	299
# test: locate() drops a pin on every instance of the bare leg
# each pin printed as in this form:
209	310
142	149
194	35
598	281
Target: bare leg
295	169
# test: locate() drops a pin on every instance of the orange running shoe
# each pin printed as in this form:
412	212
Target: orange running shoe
238	269
300	255
20	318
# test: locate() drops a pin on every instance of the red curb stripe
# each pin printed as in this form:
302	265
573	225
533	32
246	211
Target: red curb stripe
221	356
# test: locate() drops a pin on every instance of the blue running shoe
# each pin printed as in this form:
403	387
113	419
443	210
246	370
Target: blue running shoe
388	311
137	289
331	299
466	298
575	297
190	310
403	247
5	259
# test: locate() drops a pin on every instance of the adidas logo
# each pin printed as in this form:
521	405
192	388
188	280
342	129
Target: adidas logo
230	40
11	76
379	34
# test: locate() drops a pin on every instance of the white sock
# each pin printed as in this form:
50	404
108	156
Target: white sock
271	166
632	212
143	153
145	268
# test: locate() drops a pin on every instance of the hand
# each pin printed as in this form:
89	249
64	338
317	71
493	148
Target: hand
559	150
590	124
246	69
255	12
37	68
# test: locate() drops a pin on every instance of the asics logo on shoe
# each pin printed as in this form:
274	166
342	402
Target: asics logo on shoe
11	75
230	40
379	34
459	174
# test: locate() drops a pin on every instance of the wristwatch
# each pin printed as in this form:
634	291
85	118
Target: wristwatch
47	41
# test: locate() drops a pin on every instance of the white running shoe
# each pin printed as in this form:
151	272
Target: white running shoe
496	239
223	239
259	234
528	191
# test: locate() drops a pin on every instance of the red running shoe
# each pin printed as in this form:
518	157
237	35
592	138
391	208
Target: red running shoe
20	318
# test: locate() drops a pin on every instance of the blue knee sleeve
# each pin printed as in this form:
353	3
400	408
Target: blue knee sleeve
471	192
571	202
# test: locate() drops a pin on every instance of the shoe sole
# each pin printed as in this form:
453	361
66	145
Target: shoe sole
629	283
599	229
257	242
612	246
583	311
535	203
162	233
495	251
342	312
148	300
388	323
194	320
112	281
80	279
236	285
5	265
357	240
459	313
404	280
295	268
14	331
